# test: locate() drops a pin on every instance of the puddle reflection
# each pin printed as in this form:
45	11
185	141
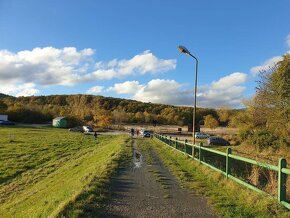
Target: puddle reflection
137	159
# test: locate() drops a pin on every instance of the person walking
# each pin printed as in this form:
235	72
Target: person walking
95	135
132	132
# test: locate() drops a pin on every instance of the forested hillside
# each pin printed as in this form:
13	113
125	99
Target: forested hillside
96	110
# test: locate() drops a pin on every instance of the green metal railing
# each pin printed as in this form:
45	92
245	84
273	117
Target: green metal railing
204	156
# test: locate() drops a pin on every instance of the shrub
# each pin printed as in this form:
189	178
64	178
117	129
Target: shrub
263	139
245	134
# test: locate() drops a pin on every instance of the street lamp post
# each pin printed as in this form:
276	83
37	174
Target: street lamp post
184	50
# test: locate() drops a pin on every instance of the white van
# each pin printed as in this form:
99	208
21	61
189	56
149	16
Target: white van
88	129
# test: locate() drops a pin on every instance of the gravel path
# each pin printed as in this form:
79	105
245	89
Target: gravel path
147	189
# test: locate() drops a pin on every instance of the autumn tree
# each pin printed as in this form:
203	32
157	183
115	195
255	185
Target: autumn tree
224	115
103	118
147	117
139	117
266	121
273	97
3	107
210	122
119	116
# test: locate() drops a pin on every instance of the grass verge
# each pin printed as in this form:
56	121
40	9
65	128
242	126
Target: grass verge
228	198
89	203
43	170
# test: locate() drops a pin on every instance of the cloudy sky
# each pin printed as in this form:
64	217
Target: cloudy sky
128	49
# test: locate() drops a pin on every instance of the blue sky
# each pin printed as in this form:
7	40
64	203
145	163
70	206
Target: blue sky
128	49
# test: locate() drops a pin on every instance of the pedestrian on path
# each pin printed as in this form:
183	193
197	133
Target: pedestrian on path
132	132
95	135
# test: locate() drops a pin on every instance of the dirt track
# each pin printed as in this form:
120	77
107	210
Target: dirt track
146	188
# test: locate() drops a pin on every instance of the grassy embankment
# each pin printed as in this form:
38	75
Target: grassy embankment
227	197
44	171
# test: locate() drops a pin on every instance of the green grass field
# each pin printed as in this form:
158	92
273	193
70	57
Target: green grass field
228	198
42	170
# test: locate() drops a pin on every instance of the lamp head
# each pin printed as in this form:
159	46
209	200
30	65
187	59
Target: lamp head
184	50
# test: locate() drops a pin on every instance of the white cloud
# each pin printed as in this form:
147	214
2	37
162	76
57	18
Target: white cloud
26	89
268	64
44	66
162	91
288	40
140	64
227	91
95	90
230	81
69	66
128	87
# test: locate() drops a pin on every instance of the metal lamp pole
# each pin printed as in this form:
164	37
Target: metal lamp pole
184	50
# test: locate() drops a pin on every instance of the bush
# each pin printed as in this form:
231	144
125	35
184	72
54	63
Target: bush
263	139
245	134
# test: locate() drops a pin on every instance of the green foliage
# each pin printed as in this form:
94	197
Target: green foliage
267	117
272	101
245	134
263	139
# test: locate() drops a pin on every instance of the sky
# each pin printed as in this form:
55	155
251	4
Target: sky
128	49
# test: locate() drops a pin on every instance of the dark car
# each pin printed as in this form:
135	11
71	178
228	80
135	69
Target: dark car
76	129
214	140
6	123
146	134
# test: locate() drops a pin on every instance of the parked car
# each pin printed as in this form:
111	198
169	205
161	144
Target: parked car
214	140
6	123
201	135
76	129
87	129
146	134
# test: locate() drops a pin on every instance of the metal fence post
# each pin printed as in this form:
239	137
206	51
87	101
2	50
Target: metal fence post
228	163
192	150
176	142
170	142
282	180
200	144
185	141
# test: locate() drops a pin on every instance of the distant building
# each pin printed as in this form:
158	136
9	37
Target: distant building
59	122
4	117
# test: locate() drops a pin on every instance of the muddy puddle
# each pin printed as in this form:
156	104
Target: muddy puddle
137	159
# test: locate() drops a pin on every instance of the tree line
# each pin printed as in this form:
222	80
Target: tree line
103	111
